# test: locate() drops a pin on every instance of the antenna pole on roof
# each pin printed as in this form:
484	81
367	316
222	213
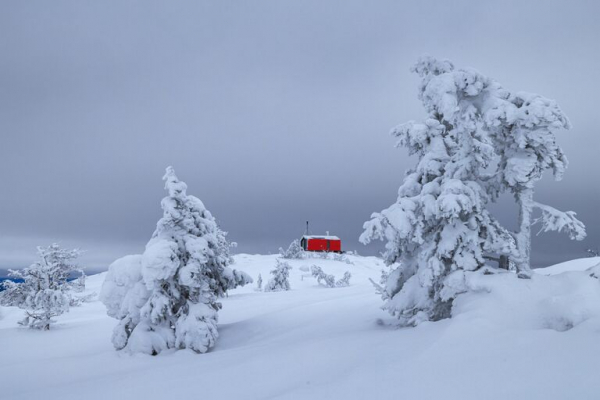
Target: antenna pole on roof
306	228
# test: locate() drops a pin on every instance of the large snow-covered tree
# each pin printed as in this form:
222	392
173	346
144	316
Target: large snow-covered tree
44	292
477	141
439	227
167	298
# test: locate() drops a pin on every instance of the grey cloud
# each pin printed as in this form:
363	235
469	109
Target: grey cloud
272	112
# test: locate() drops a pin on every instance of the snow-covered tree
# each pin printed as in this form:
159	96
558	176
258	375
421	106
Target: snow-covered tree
44	292
478	141
167	298
259	283
328	280
294	251
523	126
322	278
280	280
439	227
78	284
345	280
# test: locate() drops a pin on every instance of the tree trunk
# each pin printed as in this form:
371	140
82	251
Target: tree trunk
503	262
523	236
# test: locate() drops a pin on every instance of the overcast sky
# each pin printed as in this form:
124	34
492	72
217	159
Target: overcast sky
273	112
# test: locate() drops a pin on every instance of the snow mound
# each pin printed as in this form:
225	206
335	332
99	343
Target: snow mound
580	264
557	302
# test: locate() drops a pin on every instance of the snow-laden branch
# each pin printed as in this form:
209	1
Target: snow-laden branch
560	221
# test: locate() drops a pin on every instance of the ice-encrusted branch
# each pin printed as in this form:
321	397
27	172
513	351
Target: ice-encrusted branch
560	221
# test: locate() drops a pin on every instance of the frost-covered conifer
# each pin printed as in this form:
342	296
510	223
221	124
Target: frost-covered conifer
167	297
44	292
478	141
294	251
280	280
439	227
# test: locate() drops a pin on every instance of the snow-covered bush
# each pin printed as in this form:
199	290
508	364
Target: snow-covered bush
329	280
259	283
167	297
322	277
294	251
345	280
78	284
44	292
280	280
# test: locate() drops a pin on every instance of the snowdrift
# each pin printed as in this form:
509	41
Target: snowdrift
508	338
580	264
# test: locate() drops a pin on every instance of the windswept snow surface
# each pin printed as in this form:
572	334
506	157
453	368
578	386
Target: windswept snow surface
580	264
509	339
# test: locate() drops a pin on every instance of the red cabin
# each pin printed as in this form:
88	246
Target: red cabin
321	243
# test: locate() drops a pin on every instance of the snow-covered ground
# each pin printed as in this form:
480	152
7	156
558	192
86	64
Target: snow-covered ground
510	339
580	264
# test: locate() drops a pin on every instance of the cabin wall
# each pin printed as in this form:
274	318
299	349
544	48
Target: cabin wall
323	245
335	245
317	245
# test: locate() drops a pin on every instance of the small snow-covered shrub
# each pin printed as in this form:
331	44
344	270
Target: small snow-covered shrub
167	298
294	251
329	280
259	283
44	292
280	280
345	280
78	285
322	277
